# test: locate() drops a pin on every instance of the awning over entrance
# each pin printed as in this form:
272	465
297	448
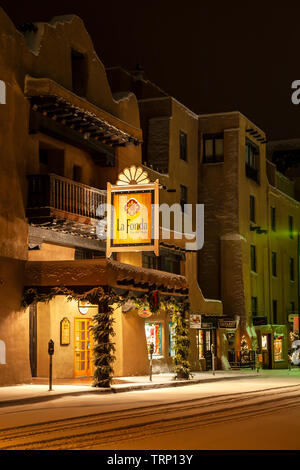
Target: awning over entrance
102	272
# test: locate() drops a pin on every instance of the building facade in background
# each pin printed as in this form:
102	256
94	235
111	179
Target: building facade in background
250	258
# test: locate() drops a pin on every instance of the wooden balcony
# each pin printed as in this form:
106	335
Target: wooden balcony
63	204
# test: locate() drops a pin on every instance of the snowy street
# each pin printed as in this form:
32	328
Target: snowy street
251	413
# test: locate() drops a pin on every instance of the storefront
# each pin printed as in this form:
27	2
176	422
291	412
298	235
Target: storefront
68	321
273	345
206	337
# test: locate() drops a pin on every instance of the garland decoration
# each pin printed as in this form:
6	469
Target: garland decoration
104	348
181	364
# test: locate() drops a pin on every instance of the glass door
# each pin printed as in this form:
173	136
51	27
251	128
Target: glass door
83	347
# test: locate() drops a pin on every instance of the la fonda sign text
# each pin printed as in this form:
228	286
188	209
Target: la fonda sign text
132	218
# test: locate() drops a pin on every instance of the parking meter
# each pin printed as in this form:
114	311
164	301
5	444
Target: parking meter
51	347
50	352
212	349
151	351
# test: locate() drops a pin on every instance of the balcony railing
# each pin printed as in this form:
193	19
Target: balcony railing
52	193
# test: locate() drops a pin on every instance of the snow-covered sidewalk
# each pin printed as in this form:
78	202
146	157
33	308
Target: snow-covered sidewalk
39	390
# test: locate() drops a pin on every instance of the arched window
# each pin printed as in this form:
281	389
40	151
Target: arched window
2	352
2	92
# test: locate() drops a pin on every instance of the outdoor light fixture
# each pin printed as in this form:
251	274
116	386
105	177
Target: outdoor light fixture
85	307
167	189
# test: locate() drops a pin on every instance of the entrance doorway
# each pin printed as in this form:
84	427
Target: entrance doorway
205	338
83	363
266	351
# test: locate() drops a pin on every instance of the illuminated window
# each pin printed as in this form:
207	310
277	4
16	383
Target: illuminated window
278	349
153	335
2	352
264	342
200	344
172	333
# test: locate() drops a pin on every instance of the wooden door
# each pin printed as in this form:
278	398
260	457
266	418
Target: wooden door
83	364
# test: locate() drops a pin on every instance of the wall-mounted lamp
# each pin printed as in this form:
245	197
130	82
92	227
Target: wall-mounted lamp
85	307
167	189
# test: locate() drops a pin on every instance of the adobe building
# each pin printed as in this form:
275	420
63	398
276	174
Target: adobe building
64	135
170	153
250	256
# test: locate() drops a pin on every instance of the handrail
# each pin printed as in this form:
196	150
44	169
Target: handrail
58	192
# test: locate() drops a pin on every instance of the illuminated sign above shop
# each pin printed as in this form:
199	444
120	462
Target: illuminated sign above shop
144	312
132	213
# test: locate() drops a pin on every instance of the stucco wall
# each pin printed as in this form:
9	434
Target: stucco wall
43	54
130	340
14	324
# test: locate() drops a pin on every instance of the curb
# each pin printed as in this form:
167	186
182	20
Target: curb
130	388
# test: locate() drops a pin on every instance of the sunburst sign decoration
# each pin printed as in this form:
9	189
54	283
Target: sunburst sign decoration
133	175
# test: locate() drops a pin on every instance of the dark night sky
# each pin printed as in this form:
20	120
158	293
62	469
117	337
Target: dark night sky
211	56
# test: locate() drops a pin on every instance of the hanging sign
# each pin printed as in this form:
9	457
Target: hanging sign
64	332
144	312
227	324
132	213
195	321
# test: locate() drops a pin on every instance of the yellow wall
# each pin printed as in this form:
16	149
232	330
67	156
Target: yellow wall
49	252
130	340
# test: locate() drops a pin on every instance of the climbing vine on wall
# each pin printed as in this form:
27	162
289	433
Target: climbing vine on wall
182	342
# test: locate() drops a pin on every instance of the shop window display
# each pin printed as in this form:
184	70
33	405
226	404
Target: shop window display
200	344
153	335
171	339
278	349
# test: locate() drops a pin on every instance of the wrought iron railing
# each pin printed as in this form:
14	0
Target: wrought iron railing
56	192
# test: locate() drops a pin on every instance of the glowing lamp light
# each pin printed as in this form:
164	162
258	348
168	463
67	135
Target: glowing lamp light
84	307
